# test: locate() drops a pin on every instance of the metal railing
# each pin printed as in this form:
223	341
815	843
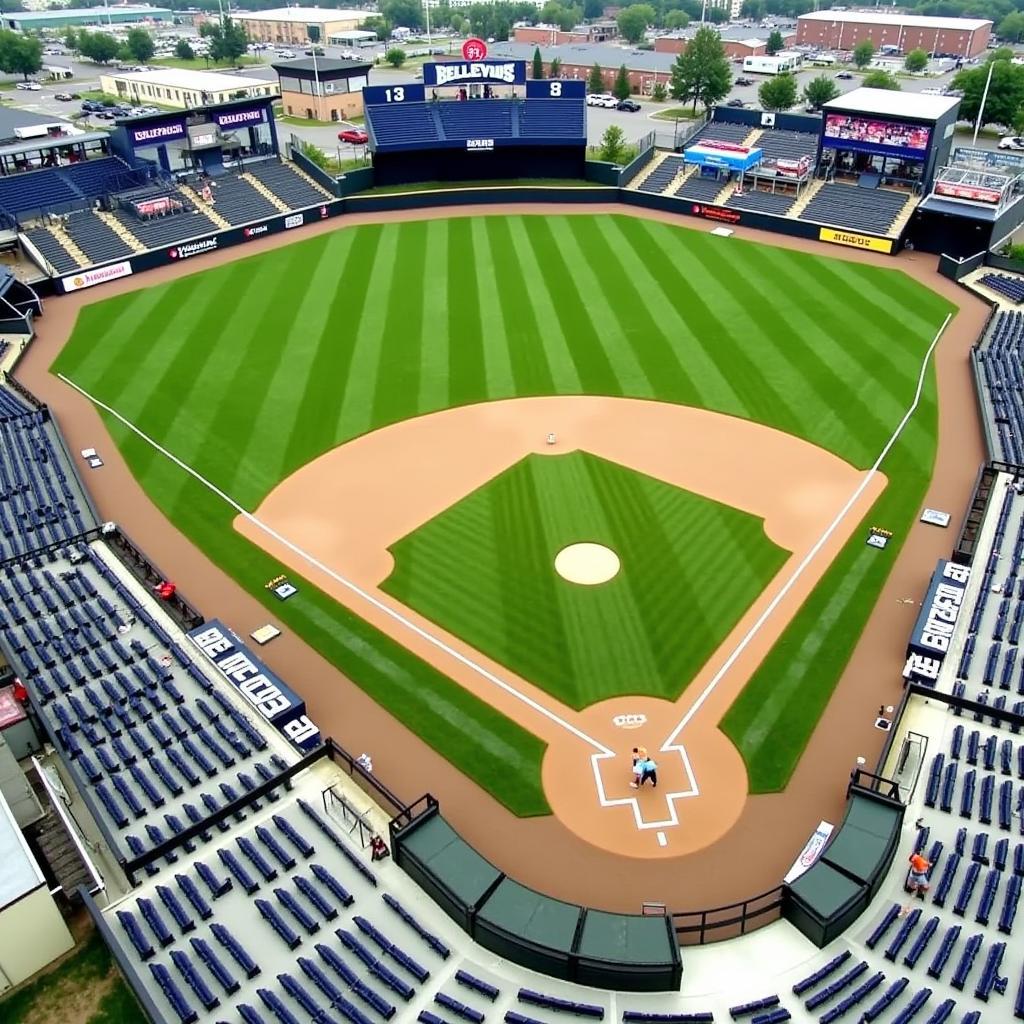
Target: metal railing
699	927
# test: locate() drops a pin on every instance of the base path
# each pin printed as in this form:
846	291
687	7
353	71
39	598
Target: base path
334	519
543	852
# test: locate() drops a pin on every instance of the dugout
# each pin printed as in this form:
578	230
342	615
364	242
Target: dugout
825	900
617	951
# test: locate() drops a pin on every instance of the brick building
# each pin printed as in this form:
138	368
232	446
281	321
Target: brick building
843	30
290	26
552	35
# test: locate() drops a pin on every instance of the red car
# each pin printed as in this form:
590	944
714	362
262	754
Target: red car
354	135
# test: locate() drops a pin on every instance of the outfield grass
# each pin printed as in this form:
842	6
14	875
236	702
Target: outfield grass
483	569
249	370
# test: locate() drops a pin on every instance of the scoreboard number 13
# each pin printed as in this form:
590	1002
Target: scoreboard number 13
397	94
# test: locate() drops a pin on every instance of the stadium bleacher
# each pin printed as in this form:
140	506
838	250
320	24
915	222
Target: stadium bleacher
1005	284
477	119
285	182
998	360
95	238
397	123
551	118
849	206
763	201
238	202
50	247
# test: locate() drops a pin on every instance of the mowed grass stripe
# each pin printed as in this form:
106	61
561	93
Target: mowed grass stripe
581	336
643	333
613	316
434	381
467	373
359	387
399	356
307	345
531	373
493	338
565	374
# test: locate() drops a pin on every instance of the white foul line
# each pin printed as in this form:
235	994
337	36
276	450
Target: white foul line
355	588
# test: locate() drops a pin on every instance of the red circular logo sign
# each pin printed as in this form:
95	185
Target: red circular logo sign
474	49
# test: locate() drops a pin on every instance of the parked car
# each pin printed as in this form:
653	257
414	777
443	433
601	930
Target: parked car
845	75
736	103
314	51
91	106
286	54
1011	142
107	114
601	99
743	82
64	96
628	105
354	135
29	86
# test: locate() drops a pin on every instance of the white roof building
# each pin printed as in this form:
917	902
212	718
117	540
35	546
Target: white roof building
889	103
904	20
181	89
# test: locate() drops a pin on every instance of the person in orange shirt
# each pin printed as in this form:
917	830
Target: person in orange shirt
917	883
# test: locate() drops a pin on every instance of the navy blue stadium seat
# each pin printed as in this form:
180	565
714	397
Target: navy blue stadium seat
822	973
485	988
888	918
963	968
888	997
432	940
170	989
857	996
278	923
990	978
325	878
920	943
944	952
460	1009
313	894
236	949
215	966
527	995
194	980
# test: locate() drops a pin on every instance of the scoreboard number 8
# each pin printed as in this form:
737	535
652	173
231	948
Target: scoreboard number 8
556	88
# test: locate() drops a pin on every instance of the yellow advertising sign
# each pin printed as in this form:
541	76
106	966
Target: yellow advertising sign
855	241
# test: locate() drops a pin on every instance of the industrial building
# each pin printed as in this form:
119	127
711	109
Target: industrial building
322	88
181	89
843	30
75	17
291	25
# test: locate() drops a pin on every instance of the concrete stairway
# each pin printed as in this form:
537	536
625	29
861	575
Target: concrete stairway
723	195
58	849
120	230
58	232
808	194
206	208
897	226
677	182
752	138
649	168
267	194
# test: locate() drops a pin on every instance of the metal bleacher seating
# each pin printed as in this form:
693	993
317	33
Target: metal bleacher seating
60	189
722	131
999	359
287	184
476	119
55	254
157	232
849	206
404	122
1011	287
704	190
95	238
777	144
541	118
238	202
662	175
761	201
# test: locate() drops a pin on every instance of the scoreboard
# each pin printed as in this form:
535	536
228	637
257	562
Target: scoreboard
483	72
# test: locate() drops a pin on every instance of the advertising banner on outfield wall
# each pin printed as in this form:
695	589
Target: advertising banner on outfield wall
88	278
281	706
856	241
186	250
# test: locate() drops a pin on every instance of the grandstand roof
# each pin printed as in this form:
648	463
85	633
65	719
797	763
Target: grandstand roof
21	873
142	10
322	65
589	53
908	20
305	15
888	103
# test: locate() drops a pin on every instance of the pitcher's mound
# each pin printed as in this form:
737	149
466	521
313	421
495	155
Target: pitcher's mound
588	564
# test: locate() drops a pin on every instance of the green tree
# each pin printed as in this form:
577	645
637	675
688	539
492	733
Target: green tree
916	60
395	56
70	38
1018	121
880	80
227	41
701	72
863	52
183	51
1012	27
555	68
676	20
999	53
613	145
314	153
633	21
659	93
717	15
778	93
537	71
565	16
753	9
819	91
97	46
408	13
20	54
621	88
593	9
595	80
775	42
1005	95
374	24
140	44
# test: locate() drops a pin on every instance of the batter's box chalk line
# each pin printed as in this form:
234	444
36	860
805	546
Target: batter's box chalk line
602	752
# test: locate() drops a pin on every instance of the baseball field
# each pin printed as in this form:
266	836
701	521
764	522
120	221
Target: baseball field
248	372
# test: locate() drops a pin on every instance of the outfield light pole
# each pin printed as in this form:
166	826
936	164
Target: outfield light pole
984	98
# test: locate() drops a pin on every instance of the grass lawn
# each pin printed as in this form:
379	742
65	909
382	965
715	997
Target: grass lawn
201	63
678	114
85	987
483	569
284	355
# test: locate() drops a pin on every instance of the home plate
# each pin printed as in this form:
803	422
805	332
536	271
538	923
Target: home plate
662	840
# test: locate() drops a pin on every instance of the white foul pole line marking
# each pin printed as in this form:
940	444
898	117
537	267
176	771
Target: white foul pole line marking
355	588
670	744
